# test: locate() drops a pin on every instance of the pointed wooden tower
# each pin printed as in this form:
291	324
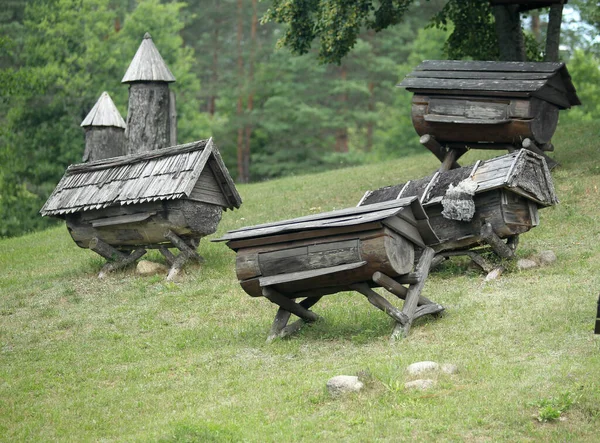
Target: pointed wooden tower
150	125
104	131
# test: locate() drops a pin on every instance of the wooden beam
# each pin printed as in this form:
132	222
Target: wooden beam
121	263
289	305
497	245
396	288
380	302
414	291
105	250
280	328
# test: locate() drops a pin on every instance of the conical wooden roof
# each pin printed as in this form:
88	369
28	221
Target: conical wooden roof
148	65
104	113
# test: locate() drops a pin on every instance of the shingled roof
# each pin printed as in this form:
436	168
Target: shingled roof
148	65
104	113
522	172
546	80
163	174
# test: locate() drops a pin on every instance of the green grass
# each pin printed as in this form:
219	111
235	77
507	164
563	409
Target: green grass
133	358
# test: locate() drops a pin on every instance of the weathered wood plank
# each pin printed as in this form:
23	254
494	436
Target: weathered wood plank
414	291
289	305
380	302
306	275
460	65
493	75
468	85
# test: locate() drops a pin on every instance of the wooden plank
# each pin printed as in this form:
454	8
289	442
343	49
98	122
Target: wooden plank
494	75
122	219
396	288
397	204
467	85
305	275
414	291
302	235
459	65
405	229
457	120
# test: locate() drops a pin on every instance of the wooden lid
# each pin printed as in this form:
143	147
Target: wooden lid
104	113
148	65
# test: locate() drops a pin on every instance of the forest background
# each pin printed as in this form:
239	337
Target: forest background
270	112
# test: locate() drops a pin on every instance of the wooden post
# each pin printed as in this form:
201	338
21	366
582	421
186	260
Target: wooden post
396	288
187	253
121	263
449	160
380	302
414	291
289	305
436	149
105	250
280	328
497	245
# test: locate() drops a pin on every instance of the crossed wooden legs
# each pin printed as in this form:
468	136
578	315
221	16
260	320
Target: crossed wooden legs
118	259
415	305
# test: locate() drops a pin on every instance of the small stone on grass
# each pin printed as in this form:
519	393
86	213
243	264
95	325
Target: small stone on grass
422	366
546	257
526	263
342	384
145	267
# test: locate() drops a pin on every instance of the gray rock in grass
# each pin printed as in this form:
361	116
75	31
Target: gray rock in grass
145	267
422	366
524	264
449	368
546	257
343	384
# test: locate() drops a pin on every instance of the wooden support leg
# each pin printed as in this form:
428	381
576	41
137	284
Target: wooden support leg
280	328
438	150
169	257
106	250
289	305
188	252
121	263
380	302
396	288
512	242
449	160
414	291
497	245
117	258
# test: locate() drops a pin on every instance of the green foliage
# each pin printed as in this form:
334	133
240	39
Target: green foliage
72	50
585	72
336	23
552	408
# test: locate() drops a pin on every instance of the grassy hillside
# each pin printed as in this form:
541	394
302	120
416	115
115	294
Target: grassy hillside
134	358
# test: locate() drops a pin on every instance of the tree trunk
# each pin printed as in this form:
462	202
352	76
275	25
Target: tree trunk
553	33
510	35
370	124
148	117
242	177
250	103
341	136
536	25
212	100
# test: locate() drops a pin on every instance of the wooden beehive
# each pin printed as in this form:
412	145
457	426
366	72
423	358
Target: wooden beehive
509	191
488	105
328	252
131	201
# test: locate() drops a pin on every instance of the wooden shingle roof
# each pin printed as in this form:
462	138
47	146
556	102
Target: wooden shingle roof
104	113
148	65
548	81
522	172
163	174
